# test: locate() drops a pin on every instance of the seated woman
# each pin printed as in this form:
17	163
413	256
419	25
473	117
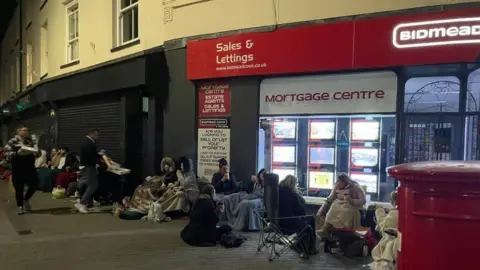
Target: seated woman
67	168
292	204
181	192
151	190
342	208
239	206
384	255
223	180
201	230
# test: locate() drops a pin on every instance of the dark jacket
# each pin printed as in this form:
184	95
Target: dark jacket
23	166
200	230
226	187
291	204
88	153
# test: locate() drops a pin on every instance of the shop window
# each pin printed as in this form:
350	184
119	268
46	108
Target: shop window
471	138
432	94
317	148
473	93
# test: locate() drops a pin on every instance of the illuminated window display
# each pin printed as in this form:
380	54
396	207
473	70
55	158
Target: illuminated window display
316	148
314	128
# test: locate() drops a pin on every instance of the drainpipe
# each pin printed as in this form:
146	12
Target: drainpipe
20	39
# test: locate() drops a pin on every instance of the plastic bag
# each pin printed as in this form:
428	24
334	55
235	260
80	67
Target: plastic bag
58	193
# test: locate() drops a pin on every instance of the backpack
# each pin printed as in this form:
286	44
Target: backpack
155	213
231	240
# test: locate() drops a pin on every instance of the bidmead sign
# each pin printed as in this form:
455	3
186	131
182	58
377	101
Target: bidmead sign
437	33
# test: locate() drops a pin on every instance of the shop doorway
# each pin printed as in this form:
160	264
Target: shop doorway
433	137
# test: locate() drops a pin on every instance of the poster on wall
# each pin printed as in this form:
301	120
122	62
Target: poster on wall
213	99
213	144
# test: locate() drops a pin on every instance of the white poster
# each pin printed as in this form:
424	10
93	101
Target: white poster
213	144
373	92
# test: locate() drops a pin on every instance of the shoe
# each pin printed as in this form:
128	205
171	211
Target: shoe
21	211
27	207
81	208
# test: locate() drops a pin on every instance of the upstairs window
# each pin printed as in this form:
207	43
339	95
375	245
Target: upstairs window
72	31
127	21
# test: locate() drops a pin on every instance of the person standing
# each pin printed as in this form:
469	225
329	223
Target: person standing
22	162
89	158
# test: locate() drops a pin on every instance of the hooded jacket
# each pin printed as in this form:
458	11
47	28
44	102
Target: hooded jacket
167	161
187	177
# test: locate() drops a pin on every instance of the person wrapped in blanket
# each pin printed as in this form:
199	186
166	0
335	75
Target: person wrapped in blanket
239	206
342	207
149	191
171	192
384	255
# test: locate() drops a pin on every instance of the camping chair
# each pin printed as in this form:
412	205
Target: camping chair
272	237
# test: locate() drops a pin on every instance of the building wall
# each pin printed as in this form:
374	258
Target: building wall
159	21
197	17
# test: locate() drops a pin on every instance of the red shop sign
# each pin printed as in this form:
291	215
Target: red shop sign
414	39
213	99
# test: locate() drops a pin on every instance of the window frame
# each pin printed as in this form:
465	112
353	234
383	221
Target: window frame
72	9
29	65
120	14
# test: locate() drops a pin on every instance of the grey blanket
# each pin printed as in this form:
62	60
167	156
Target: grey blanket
239	210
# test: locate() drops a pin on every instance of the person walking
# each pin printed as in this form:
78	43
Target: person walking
20	152
89	158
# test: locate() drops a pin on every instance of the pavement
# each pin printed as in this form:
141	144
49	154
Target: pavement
55	237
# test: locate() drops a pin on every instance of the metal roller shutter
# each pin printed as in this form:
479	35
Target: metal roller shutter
38	125
75	121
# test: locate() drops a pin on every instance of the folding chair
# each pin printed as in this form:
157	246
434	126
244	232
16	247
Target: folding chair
272	237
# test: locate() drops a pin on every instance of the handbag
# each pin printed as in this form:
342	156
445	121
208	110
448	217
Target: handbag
58	193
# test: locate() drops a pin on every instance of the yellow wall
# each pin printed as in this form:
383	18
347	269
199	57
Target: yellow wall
161	20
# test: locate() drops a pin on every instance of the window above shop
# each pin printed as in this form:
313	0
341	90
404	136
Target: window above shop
72	31
127	24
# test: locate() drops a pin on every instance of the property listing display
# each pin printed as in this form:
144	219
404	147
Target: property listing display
283	140
365	152
317	148
321	154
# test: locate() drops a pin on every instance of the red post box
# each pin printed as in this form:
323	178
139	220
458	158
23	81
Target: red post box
439	215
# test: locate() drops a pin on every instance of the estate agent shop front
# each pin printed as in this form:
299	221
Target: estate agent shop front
353	96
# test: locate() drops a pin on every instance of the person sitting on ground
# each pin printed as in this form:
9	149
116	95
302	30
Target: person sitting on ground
151	190
54	158
291	204
175	201
342	207
201	230
187	179
239	206
384	255
68	168
224	181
